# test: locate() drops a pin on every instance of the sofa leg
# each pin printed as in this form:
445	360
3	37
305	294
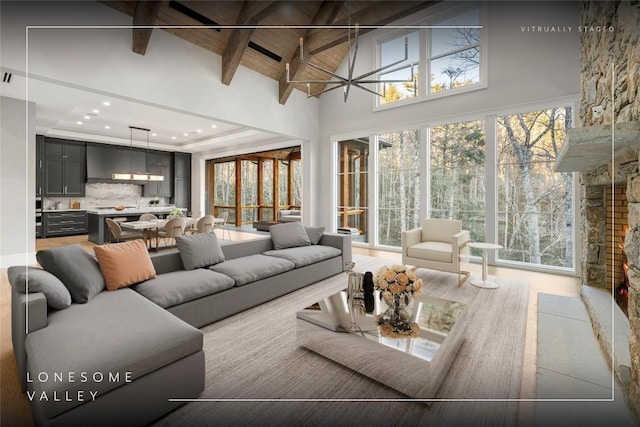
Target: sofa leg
461	280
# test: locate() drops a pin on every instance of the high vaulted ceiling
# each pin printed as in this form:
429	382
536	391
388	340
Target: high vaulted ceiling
265	35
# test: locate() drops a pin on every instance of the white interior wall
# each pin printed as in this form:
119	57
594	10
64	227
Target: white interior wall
17	186
173	73
526	70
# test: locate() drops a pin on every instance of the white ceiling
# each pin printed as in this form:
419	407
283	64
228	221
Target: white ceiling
60	107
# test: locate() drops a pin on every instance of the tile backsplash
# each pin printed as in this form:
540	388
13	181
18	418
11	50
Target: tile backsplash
106	194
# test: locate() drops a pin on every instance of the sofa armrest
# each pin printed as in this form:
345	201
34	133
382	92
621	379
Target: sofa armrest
411	237
339	241
461	239
28	314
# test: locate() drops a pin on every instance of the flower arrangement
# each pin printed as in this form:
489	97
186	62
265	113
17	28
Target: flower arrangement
397	285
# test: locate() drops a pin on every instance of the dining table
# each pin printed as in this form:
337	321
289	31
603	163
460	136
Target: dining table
149	226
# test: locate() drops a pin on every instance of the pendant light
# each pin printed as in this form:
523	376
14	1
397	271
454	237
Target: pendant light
137	176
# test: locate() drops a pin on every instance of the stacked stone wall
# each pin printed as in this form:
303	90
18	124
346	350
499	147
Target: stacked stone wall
610	57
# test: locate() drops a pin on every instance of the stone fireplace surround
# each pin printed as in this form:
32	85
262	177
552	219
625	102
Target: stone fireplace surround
610	78
599	213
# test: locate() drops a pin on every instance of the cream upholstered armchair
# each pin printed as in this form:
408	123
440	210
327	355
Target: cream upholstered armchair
438	244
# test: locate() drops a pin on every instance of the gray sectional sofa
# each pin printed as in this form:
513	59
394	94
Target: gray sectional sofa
118	358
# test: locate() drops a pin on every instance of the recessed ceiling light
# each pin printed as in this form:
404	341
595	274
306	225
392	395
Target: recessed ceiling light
214	126
107	127
87	117
154	134
79	122
199	131
96	111
173	137
107	103
185	134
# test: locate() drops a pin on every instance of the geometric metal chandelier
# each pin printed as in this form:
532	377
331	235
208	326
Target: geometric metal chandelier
338	81
137	176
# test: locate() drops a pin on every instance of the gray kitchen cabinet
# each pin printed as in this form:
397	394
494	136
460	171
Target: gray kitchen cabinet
103	160
65	223
64	168
39	165
182	180
160	163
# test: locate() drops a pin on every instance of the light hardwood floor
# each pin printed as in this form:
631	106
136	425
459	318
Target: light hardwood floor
14	407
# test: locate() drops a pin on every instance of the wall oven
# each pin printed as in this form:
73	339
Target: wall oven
39	218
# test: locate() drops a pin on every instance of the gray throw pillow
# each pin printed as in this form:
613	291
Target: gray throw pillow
315	234
76	268
199	250
289	235
31	279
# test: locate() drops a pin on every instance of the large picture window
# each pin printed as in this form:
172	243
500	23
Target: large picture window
535	204
495	174
457	175
454	52
392	51
398	185
450	60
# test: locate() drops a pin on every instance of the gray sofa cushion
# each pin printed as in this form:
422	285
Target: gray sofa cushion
78	270
314	233
174	288
305	255
115	333
289	235
252	268
31	279
199	250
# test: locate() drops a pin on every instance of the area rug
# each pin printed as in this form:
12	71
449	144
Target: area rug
257	375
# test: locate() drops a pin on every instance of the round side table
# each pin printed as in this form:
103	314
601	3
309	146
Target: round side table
484	283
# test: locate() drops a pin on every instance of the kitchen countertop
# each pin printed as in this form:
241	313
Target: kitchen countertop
63	210
133	211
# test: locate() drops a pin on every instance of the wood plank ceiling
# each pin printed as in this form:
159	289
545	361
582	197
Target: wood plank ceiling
265	50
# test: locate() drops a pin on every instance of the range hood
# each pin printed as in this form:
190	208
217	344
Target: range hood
587	148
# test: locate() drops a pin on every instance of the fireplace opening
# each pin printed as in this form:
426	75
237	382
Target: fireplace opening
621	292
618	225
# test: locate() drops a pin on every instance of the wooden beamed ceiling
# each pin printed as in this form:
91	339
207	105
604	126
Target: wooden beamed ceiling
257	46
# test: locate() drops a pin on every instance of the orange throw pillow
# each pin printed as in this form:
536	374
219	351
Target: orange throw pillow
124	264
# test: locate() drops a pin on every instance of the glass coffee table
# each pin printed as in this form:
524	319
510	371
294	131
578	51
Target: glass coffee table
413	366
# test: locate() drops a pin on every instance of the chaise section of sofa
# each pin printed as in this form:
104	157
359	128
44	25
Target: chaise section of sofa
79	361
91	350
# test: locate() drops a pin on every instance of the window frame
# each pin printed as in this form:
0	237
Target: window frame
423	26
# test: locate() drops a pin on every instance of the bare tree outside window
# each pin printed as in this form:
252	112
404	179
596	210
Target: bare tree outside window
398	185
455	52
457	184
535	204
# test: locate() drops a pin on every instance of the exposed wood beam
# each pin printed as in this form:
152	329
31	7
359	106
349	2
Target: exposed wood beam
252	13
378	14
326	15
145	14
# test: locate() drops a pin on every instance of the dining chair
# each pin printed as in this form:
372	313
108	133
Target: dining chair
118	234
147	217
205	224
224	216
174	227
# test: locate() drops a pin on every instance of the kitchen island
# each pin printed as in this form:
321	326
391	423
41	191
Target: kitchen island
97	226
